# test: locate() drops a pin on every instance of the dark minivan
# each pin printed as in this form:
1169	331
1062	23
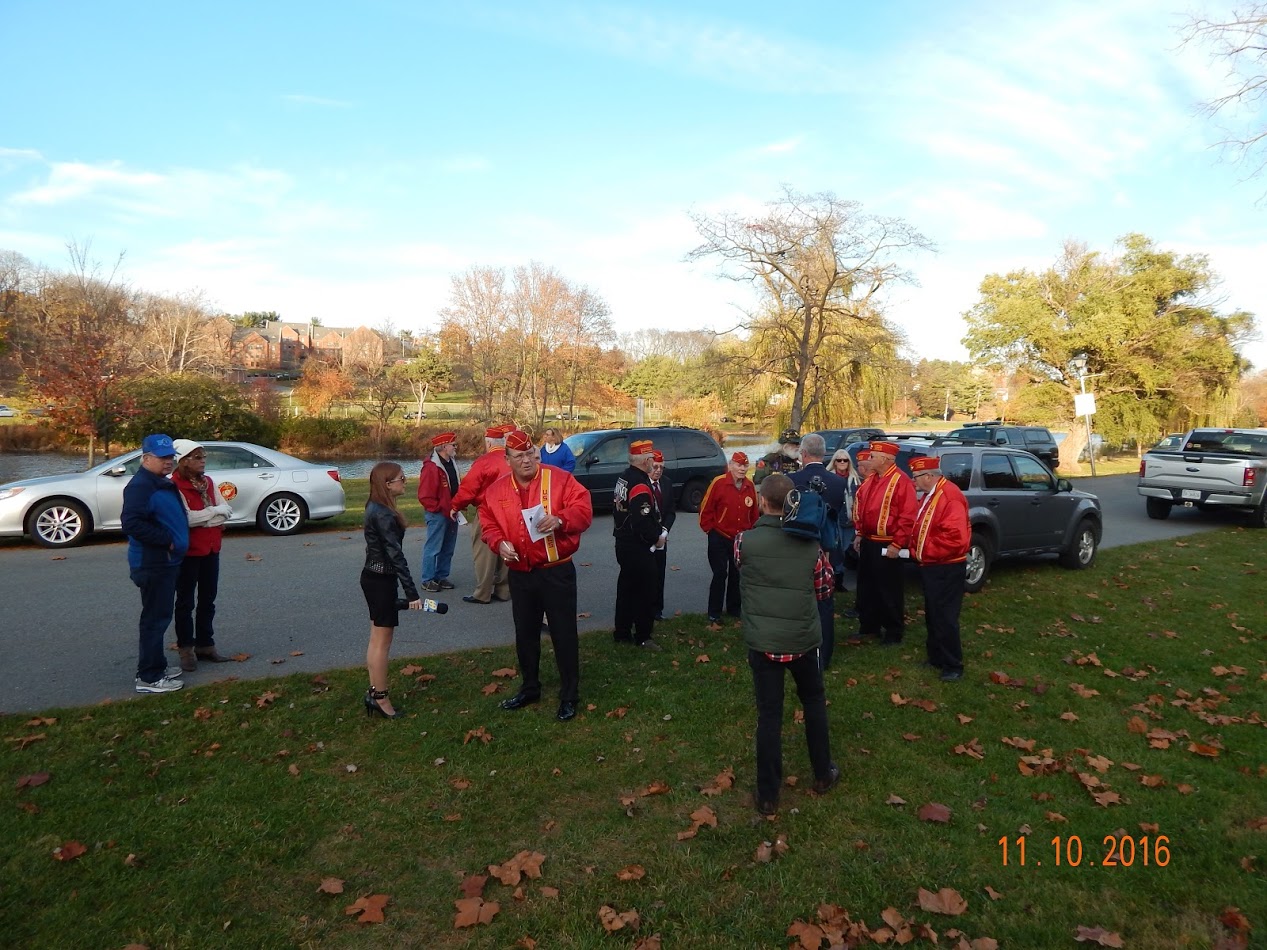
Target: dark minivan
692	459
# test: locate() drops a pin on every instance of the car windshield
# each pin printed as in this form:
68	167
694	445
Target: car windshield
581	442
969	433
1235	443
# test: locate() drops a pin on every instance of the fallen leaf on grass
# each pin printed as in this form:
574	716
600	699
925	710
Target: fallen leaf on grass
266	698
1084	691
702	658
1209	751
523	864
992	893
655	788
24	741
33	781
550	892
473	885
766	852
292	769
330	885
1069	716
490	688
614	920
724	780
1016	742
633	872
1105	799
41	721
461	784
963	720
618	713
971	748
945	901
505	673
474	910
1097	935
934	811
699	818
894	800
69	851
479	732
413	669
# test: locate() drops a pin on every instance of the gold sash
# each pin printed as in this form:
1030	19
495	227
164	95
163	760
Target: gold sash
552	549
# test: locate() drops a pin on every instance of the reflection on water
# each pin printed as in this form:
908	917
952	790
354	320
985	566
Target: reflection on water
17	465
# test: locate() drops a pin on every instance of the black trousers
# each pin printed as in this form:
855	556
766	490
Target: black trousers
725	585
943	600
635	591
827	622
198	576
548	592
767	686
881	597
662	565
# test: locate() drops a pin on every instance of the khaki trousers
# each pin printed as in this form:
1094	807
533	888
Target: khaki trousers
491	572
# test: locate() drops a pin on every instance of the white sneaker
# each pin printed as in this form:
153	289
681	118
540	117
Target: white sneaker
164	685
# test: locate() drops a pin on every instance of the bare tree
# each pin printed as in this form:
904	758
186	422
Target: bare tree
477	313
1239	42
819	264
175	333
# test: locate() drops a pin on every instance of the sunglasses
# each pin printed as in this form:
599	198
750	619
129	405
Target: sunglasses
398	478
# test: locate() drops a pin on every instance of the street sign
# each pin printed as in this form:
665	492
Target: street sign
1084	404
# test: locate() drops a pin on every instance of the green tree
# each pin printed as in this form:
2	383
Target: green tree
820	266
1160	356
189	406
424	373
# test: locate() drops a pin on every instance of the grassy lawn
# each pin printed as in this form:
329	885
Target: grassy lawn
1123	702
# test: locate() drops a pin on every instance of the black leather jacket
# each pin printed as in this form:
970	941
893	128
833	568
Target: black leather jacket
383	552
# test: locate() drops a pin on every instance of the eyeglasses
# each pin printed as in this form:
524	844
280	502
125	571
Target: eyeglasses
398	478
196	455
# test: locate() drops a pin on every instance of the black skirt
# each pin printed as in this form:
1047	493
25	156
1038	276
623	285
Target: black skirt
380	597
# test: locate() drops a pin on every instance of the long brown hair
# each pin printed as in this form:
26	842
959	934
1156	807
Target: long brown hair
380	475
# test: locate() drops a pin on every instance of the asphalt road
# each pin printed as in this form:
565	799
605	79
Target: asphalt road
68	619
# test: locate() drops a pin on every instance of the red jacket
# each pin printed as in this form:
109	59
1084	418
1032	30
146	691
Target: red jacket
885	507
204	539
501	516
942	533
727	509
433	487
485	470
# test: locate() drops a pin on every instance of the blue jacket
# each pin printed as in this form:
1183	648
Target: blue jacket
561	457
154	521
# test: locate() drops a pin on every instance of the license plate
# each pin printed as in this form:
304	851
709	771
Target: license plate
1191	494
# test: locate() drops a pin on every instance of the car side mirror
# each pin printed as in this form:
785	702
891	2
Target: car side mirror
1063	484
117	471
1000	440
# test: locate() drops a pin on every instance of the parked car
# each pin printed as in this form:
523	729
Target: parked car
266	488
7	413
414	414
1210	468
692	459
835	438
1017	507
1034	439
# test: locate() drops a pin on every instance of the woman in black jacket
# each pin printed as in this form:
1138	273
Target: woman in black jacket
385	566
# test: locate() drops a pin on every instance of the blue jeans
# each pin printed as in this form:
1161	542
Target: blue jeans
437	549
158	603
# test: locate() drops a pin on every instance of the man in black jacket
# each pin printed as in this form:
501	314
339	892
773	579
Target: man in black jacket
810	476
638	532
662	489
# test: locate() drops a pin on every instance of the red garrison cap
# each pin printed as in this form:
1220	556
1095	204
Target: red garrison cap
888	448
739	457
494	432
864	454
518	440
657	456
507	428
443	438
925	463
641	447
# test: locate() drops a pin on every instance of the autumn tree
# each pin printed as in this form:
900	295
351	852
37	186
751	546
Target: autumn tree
175	334
477	312
322	385
426	372
1237	43
820	265
1160	354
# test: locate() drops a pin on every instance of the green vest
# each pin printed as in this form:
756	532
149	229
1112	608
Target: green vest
776	584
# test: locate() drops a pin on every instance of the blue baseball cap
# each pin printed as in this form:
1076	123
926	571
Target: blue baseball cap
159	445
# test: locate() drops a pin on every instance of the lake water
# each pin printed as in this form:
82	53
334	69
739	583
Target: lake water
18	465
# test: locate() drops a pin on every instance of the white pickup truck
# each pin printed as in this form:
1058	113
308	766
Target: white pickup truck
1224	468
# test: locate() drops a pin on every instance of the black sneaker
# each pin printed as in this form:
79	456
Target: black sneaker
430	586
951	676
824	785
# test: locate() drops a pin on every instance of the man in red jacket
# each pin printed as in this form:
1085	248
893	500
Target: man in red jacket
532	521
729	506
940	541
883	514
490	573
437	484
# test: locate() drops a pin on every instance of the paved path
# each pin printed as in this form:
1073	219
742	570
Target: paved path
68	620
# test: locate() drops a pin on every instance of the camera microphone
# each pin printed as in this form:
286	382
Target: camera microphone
428	606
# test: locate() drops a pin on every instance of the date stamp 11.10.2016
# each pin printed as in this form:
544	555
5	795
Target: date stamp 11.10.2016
1112	851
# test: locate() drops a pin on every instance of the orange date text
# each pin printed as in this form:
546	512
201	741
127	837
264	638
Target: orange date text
1114	851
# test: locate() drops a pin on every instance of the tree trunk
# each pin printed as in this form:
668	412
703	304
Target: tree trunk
1072	447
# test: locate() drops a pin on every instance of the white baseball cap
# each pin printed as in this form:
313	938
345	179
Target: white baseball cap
184	447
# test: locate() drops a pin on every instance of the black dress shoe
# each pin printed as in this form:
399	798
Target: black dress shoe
520	700
468	599
659	616
566	711
851	613
952	676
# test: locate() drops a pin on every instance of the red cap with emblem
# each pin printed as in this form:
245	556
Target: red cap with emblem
494	432
641	447
443	438
518	441
864	454
739	457
924	463
657	456
888	448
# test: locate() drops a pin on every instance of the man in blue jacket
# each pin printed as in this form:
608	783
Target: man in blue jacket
158	536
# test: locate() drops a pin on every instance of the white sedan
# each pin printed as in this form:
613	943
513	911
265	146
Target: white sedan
266	488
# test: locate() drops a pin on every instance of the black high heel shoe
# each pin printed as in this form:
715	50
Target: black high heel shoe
372	696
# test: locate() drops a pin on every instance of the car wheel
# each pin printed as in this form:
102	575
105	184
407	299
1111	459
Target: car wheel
1258	517
980	556
1158	509
281	514
58	523
693	494
1081	552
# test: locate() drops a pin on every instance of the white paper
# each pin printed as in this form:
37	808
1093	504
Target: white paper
461	519
531	517
904	553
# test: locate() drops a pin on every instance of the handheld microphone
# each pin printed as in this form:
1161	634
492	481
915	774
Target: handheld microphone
428	606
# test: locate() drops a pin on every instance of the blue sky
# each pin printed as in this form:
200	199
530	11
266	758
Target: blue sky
341	161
